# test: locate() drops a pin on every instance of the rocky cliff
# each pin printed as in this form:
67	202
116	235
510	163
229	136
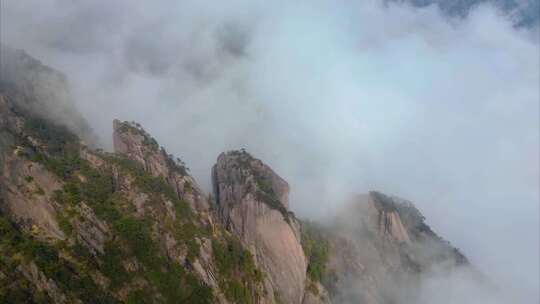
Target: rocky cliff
131	140
80	225
40	90
252	202
380	250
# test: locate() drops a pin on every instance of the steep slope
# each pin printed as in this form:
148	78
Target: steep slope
380	249
84	225
89	226
79	225
132	141
40	90
252	202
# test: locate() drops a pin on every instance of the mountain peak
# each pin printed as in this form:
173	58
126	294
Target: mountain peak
133	225
130	139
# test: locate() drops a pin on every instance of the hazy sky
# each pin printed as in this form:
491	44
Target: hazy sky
339	97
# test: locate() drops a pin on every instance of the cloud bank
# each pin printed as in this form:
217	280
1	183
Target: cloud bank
339	98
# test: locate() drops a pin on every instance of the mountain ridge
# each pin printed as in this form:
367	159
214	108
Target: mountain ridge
80	225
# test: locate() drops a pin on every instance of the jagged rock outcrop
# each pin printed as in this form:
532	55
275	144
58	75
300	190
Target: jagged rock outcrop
80	225
384	215
252	202
71	212
381	246
92	232
95	200
135	143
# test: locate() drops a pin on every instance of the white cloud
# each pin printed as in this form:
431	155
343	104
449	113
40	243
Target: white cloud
338	97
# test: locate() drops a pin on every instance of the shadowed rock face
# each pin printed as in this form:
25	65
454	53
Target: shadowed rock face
132	141
25	187
28	187
40	90
384	215
88	206
252	202
380	250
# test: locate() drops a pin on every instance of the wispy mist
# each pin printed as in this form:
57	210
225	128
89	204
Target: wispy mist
339	97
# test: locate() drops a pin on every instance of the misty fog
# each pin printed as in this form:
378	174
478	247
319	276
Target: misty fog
338	97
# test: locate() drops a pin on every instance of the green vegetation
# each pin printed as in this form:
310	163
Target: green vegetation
315	245
112	265
187	233
57	149
16	248
64	224
158	189
243	158
148	141
84	256
57	139
95	190
14	288
139	296
172	282
62	166
135	128
264	191
39	191
239	277
134	235
175	163
154	185
136	238
144	181
266	194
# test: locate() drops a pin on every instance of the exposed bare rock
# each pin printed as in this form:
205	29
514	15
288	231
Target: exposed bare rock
383	214
136	227
32	273
252	202
27	190
316	293
91	231
89	155
132	141
380	245
204	266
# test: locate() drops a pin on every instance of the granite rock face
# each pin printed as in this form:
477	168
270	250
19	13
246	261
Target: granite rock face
383	214
380	246
27	189
131	140
80	225
252	202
